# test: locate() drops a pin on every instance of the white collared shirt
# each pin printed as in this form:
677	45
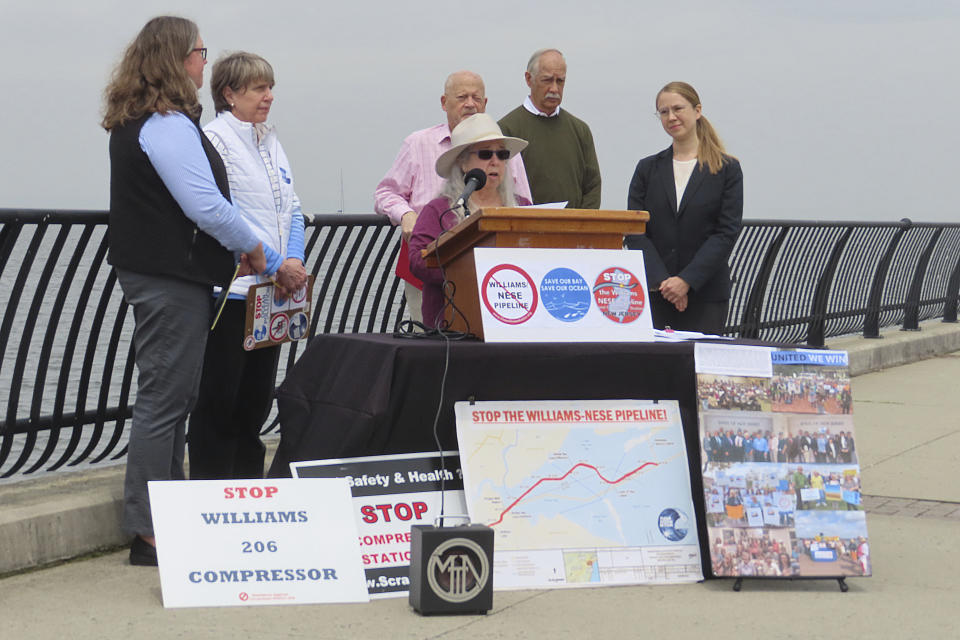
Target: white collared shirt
529	106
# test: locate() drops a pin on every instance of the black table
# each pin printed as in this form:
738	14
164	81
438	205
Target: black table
371	394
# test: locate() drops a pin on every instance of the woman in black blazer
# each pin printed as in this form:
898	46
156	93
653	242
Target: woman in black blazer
694	193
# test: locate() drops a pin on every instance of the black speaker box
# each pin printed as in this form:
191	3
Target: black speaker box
451	569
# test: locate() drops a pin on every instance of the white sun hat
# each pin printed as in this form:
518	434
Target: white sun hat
477	128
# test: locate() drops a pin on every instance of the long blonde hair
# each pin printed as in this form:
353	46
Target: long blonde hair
151	76
710	149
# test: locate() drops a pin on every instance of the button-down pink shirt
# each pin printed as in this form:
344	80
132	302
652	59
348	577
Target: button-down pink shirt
412	181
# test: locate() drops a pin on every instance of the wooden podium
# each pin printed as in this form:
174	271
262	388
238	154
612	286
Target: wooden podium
524	227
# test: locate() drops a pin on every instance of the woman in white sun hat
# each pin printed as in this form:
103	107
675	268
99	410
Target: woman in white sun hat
476	143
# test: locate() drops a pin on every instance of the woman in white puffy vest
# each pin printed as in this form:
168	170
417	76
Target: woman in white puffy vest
236	389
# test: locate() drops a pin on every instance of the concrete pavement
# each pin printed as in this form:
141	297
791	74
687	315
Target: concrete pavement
913	594
908	437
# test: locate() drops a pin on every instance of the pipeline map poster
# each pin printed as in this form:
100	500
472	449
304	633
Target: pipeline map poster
781	475
580	493
391	493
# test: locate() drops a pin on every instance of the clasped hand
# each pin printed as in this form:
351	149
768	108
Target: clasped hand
674	290
289	278
252	262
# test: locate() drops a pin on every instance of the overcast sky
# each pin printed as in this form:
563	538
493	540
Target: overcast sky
837	109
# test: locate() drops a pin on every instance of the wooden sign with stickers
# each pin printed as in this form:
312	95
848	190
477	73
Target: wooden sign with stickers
272	321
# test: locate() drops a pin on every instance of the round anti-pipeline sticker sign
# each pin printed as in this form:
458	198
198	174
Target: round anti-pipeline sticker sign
565	294
619	295
278	327
509	294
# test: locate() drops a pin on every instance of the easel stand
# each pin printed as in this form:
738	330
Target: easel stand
841	580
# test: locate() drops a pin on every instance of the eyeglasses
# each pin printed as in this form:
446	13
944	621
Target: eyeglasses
676	109
486	154
202	50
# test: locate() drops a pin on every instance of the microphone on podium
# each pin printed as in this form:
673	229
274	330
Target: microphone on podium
475	179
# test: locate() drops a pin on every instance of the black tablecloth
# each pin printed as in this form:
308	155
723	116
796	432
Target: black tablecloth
371	394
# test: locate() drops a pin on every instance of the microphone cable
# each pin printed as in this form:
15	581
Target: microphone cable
406	329
448	293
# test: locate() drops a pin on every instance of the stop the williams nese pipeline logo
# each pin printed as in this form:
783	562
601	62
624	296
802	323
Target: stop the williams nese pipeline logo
619	295
509	294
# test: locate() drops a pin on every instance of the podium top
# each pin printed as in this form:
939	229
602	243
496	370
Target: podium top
534	220
593	216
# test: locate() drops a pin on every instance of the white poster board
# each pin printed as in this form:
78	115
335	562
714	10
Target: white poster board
390	494
256	542
563	295
580	492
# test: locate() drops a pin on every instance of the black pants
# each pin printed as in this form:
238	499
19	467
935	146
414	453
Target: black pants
236	392
705	317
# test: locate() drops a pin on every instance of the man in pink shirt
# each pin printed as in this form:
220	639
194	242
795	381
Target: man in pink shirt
412	181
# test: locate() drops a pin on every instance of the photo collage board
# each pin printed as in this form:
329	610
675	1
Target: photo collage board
781	473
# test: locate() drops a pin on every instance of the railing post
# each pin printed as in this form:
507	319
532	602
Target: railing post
816	330
951	295
750	325
911	306
871	319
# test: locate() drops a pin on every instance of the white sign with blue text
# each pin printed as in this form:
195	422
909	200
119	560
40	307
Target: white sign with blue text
563	295
256	542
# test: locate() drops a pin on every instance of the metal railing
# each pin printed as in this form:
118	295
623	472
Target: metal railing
804	282
67	370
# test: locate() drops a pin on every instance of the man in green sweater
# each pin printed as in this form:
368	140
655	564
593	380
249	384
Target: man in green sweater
561	161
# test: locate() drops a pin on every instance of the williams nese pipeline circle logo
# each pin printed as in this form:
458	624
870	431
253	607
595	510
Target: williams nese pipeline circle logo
509	294
673	524
619	295
565	294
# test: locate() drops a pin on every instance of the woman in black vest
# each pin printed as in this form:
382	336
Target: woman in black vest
173	235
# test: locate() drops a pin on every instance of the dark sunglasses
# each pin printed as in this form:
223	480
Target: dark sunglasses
202	50
486	154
